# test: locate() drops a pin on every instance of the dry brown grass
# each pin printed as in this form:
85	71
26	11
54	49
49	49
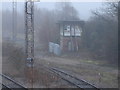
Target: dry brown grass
108	77
13	59
13	65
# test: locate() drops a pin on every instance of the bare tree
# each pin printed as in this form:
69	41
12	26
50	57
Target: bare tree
66	11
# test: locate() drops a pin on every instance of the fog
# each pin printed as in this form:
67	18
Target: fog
78	38
84	7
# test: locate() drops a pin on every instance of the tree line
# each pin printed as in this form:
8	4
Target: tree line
99	36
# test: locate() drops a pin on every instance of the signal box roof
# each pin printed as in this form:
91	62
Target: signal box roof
71	22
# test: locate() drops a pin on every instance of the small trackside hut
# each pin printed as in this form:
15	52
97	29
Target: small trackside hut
70	35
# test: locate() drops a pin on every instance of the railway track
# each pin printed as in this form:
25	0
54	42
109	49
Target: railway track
10	84
79	83
74	80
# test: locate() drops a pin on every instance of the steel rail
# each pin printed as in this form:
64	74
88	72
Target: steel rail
13	82
81	83
4	86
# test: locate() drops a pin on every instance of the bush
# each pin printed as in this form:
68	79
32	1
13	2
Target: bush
14	55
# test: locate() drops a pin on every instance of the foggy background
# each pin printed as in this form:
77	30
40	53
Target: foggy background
100	34
98	45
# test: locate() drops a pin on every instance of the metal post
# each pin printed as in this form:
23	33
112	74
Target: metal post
29	32
29	26
14	20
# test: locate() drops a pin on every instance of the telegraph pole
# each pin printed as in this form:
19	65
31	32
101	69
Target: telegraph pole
29	27
29	38
14	20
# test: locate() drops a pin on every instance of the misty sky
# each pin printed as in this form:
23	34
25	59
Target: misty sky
83	8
